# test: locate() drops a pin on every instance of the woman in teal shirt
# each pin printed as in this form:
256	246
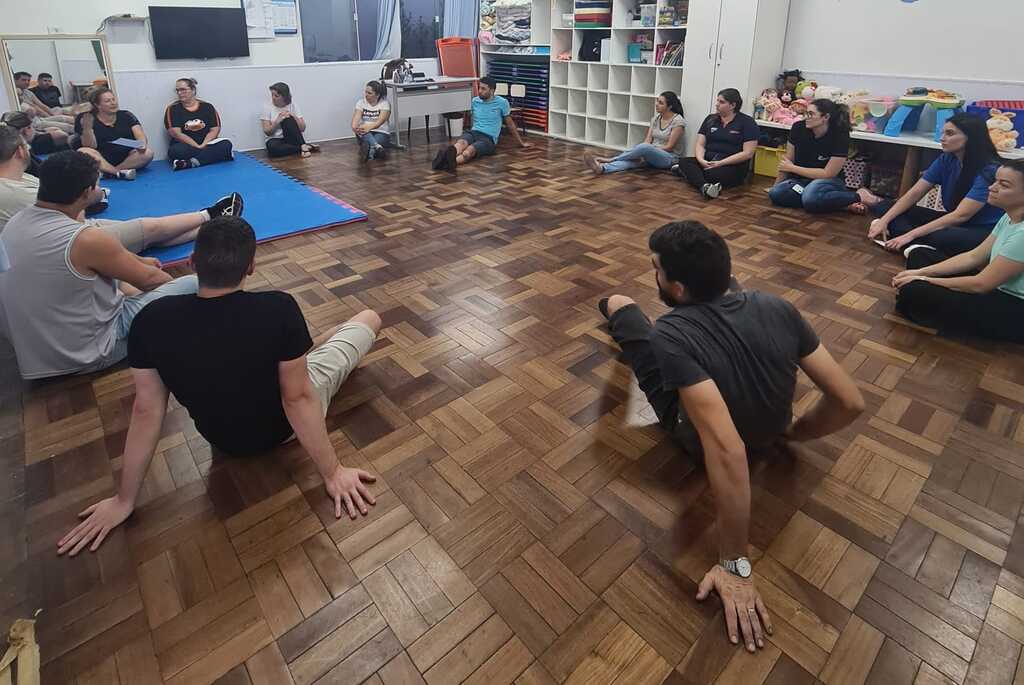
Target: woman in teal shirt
980	292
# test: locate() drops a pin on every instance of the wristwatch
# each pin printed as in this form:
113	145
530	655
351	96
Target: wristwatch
738	567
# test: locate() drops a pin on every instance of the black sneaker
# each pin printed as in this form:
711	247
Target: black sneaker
96	207
180	164
602	306
229	205
439	158
450	159
380	153
677	170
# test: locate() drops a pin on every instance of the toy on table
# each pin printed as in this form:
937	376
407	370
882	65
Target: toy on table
806	90
761	112
912	104
785	115
1000	129
799	108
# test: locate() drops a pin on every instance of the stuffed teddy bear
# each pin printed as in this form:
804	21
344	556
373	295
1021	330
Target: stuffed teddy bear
1000	129
799	108
806	89
760	107
828	93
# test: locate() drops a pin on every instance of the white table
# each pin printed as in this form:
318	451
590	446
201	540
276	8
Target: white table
914	142
423	98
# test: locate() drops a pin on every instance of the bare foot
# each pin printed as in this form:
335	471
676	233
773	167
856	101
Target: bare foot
593	164
857	208
868	198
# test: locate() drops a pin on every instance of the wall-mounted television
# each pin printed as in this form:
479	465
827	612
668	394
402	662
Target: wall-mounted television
199	32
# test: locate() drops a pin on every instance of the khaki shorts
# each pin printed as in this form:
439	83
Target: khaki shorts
130	233
331	363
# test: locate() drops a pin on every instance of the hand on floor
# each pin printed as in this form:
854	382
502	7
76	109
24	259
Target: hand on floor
346	485
742	604
102	518
898	243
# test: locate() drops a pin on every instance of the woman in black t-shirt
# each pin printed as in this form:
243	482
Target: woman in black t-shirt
726	142
810	175
194	127
103	125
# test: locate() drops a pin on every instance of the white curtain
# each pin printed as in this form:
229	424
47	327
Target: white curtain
389	30
460	18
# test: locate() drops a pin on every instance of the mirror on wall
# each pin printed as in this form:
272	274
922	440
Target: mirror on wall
53	71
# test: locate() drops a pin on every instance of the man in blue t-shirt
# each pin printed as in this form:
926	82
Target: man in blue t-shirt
489	110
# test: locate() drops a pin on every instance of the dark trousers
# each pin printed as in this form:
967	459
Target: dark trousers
290	142
994	315
729	176
211	154
951	240
631	329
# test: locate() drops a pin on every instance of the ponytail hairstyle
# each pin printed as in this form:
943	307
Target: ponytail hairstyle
838	115
188	81
733	97
378	88
672	100
979	153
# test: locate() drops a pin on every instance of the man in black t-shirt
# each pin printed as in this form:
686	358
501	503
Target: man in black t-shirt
243	366
44	89
720	371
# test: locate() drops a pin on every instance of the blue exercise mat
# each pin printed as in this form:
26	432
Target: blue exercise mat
276	205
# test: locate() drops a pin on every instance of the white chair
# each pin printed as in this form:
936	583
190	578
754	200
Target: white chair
501	89
517	93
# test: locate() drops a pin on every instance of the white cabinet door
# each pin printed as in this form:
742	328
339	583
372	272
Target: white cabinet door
699	60
735	44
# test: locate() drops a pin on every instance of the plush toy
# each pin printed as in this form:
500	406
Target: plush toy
828	93
1000	129
784	115
787	98
799	108
760	107
859	115
788	80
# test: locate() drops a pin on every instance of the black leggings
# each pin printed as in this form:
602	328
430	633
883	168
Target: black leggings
995	315
211	154
290	142
729	176
951	240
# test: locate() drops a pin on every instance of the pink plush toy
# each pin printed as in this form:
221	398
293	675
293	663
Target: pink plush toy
784	115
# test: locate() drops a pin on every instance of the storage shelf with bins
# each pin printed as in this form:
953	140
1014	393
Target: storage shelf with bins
608	103
528	63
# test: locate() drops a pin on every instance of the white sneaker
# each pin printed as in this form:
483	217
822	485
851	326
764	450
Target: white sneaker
713	190
126	174
906	252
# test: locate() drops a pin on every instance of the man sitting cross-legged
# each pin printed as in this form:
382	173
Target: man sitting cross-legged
74	286
488	111
241	364
720	372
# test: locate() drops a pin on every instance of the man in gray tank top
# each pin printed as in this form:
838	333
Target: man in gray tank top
74	287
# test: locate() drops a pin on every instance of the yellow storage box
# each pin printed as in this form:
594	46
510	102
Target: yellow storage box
766	160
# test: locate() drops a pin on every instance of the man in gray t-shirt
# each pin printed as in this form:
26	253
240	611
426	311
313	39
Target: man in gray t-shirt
720	371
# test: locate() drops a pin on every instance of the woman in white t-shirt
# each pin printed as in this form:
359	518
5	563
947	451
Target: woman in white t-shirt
370	121
283	125
661	148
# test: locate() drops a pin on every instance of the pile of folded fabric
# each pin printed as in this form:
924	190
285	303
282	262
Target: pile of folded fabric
487	19
593	14
512	21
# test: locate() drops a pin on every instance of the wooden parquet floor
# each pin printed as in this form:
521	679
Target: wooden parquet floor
530	527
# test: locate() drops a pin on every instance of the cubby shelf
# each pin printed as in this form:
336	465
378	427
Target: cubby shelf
608	103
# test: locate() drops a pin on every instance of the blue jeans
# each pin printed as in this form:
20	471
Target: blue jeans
377	138
642	154
819	196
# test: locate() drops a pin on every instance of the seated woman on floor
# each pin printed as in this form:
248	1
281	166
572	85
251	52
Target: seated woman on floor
952	295
194	127
726	143
662	146
100	127
965	170
811	173
371	121
283	125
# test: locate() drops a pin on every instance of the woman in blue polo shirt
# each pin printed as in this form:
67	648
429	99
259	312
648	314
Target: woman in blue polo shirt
726	143
965	170
979	292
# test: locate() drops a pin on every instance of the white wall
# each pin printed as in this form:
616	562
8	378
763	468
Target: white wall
889	45
130	45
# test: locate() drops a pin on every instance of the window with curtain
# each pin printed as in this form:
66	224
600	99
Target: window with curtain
343	30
